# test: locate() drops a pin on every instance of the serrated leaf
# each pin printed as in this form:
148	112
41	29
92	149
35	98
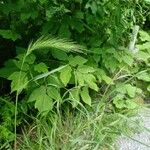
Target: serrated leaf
79	78
42	101
19	81
144	76
65	75
85	96
41	67
91	81
77	60
119	102
130	104
85	69
131	90
54	93
101	75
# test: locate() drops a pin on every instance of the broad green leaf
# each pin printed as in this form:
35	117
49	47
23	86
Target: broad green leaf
41	67
77	60
119	102
19	81
130	104
74	95
8	34
6	72
107	79
54	81
131	90
85	69
60	55
144	76
43	102
121	88
144	46
85	96
144	36
101	75
54	93
79	78
91	81
65	75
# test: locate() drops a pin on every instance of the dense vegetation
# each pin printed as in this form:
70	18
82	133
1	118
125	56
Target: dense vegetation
68	78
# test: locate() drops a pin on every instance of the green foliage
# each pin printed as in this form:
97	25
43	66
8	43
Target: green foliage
54	75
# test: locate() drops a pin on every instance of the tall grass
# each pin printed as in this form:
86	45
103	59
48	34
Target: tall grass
97	130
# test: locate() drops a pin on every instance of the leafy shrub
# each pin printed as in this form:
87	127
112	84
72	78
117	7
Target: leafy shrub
54	74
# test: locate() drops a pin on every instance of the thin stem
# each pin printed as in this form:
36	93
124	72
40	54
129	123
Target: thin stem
16	104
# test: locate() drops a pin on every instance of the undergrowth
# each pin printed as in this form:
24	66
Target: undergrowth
63	95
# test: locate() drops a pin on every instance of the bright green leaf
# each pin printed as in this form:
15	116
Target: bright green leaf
43	102
85	96
130	104
85	69
91	81
65	75
41	67
144	76
19	81
74	96
131	90
54	93
77	60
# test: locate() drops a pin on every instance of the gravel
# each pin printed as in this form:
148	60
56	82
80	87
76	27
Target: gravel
139	141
